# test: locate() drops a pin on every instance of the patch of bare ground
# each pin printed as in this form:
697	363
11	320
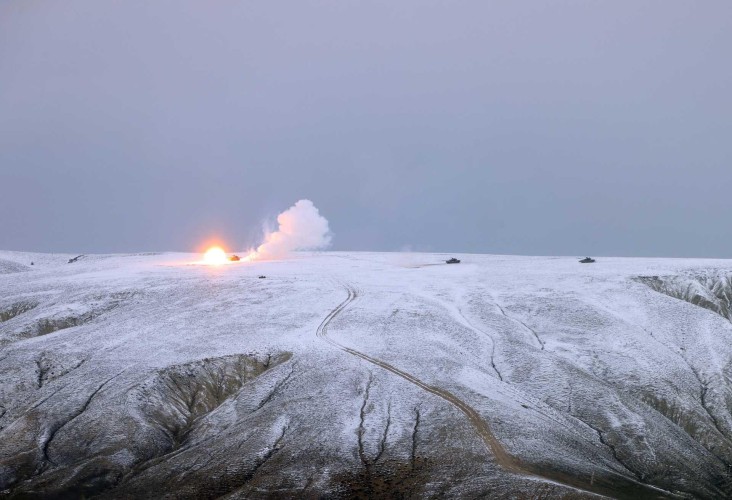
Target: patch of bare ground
16	309
388	479
50	368
710	292
182	395
45	326
98	305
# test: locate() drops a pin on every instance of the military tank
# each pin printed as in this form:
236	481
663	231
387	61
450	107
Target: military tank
452	261
587	260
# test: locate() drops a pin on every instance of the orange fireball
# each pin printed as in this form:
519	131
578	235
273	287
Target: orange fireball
215	256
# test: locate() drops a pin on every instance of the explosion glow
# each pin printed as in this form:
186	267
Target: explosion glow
215	256
300	227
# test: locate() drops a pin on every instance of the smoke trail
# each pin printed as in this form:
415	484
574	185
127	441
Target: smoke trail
301	227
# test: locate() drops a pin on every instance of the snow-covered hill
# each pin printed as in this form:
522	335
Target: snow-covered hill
364	374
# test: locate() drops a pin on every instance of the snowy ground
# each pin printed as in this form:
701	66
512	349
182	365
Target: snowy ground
361	374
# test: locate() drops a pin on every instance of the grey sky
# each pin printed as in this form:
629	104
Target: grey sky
568	128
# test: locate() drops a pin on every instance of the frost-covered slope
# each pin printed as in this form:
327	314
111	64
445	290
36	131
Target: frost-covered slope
359	374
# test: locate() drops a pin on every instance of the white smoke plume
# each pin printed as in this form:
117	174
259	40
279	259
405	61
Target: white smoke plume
301	227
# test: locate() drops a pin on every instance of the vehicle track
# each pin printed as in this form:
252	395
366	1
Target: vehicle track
502	457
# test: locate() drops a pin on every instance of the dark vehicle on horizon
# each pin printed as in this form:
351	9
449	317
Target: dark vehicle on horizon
587	260
452	261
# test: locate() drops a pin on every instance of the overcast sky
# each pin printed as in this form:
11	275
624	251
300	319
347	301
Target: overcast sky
546	128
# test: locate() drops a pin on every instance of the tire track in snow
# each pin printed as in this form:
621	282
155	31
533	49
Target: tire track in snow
502	457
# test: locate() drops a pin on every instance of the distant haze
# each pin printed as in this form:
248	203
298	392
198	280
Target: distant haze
572	128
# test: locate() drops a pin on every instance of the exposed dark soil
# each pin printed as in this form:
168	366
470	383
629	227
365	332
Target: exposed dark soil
710	292
16	310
